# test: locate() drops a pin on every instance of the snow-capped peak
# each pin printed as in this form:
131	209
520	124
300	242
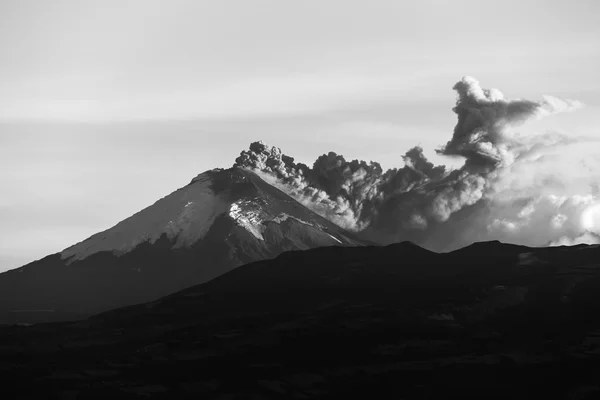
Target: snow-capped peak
185	216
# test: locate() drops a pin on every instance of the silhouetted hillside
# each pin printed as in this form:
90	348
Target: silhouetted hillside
489	321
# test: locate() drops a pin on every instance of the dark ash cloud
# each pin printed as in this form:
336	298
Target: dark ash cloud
419	200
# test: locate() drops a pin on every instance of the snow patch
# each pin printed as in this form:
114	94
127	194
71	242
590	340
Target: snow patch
249	216
284	217
334	238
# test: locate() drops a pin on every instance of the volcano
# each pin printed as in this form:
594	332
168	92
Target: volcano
222	219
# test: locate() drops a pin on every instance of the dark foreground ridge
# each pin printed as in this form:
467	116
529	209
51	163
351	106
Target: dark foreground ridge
490	321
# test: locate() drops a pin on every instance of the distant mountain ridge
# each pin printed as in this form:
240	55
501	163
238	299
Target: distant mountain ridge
222	219
397	271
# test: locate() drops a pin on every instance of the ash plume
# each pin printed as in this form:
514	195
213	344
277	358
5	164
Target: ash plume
482	134
421	201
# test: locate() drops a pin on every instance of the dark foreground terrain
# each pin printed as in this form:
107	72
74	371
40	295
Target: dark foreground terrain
490	321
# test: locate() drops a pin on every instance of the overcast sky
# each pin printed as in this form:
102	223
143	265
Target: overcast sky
106	106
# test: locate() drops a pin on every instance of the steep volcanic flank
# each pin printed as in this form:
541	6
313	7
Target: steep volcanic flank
221	220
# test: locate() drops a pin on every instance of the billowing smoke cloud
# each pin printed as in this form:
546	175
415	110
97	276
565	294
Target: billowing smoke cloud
350	193
482	134
495	194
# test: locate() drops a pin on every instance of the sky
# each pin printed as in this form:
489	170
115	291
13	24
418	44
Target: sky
107	106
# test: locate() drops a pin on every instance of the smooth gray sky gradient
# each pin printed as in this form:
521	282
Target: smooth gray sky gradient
106	106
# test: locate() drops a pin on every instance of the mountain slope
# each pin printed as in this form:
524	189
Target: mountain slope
335	322
221	220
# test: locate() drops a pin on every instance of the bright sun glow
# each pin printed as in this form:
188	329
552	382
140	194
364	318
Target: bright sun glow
590	218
